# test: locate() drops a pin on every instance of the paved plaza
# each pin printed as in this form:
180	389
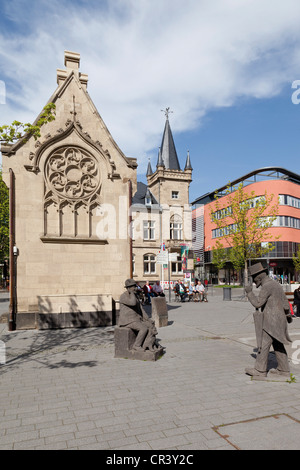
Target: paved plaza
63	389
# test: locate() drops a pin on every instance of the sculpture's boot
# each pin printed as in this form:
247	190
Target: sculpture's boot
138	348
277	372
254	372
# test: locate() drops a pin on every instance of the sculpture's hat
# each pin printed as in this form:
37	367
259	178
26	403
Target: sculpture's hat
130	283
256	269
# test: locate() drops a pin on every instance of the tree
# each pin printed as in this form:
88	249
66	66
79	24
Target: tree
9	134
296	260
219	256
15	131
4	220
242	220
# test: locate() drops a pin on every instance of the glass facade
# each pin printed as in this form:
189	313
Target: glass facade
283	250
280	250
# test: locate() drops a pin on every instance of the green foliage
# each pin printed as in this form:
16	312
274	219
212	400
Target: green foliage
10	134
4	220
236	256
17	130
292	379
219	255
296	260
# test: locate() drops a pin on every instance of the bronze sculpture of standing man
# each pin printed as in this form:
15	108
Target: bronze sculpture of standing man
270	323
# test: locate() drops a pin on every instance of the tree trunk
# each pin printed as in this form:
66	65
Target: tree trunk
246	273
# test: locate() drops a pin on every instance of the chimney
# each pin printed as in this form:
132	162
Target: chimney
72	60
72	63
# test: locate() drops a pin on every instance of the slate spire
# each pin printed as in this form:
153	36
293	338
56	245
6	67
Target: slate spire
168	149
149	169
159	159
188	165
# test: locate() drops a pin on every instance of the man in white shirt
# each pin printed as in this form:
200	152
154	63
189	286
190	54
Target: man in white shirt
202	292
158	290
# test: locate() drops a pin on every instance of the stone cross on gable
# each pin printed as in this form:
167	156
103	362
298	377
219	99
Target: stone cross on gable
167	112
73	110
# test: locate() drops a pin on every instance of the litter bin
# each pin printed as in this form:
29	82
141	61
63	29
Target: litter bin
226	293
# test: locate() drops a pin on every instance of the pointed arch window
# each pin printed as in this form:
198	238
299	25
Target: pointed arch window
72	185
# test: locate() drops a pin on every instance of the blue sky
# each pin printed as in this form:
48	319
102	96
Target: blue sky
224	67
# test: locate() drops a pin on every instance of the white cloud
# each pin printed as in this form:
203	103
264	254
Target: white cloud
142	56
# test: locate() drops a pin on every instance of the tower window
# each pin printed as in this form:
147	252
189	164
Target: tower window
175	194
176	227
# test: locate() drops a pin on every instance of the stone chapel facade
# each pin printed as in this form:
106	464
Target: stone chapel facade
74	195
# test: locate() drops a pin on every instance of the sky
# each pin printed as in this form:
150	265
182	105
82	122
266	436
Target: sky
229	70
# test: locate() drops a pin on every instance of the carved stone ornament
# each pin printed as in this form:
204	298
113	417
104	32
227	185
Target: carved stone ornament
60	135
72	173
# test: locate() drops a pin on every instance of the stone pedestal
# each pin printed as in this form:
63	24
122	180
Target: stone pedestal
124	340
159	311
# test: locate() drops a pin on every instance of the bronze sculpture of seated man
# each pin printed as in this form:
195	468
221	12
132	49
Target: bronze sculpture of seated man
132	315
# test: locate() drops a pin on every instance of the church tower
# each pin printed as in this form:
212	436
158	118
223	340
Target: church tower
169	184
162	217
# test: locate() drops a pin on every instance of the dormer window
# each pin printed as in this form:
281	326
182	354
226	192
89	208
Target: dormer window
148	198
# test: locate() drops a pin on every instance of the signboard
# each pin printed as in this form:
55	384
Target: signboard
162	257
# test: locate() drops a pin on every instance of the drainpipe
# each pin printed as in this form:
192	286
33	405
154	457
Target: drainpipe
12	253
130	228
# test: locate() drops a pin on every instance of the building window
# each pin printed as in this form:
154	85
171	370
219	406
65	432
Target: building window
176	267
175	194
133	264
149	264
149	229
286	200
176	227
282	250
221	232
286	221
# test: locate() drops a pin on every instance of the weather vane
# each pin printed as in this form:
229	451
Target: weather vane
167	112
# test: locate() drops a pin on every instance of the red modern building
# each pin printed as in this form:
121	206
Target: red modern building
285	185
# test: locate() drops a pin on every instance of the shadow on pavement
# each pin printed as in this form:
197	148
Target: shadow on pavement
44	346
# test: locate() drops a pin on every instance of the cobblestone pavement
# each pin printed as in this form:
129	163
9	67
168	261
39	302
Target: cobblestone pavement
63	389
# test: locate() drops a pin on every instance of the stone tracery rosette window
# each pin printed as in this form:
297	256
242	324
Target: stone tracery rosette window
72	173
72	181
